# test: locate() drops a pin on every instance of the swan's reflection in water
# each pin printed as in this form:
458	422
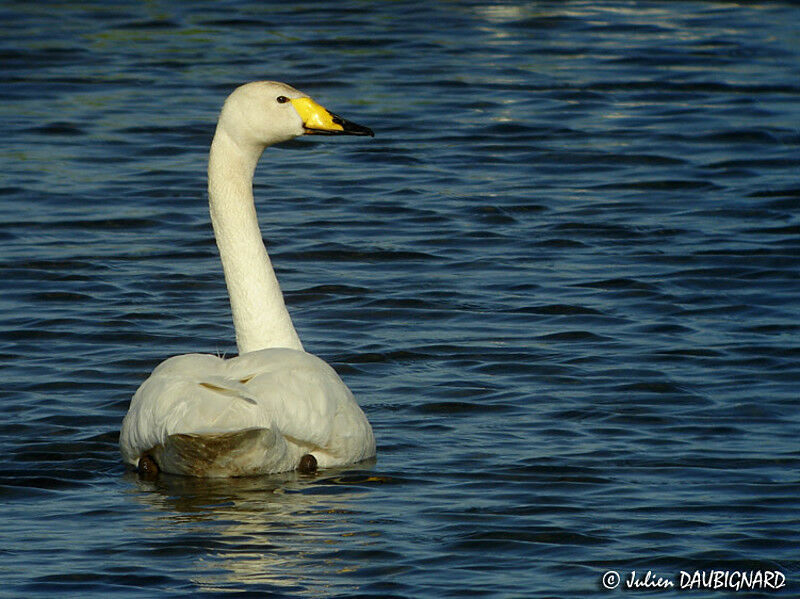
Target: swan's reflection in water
280	532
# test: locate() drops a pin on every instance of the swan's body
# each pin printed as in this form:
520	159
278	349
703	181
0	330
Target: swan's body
274	405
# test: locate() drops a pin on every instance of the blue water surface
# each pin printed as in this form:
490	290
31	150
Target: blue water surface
563	281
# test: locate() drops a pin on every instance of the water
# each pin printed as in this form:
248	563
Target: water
562	280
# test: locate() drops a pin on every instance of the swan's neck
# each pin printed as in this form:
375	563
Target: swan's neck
259	312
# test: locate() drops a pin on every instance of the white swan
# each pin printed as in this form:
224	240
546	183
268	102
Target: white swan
274	407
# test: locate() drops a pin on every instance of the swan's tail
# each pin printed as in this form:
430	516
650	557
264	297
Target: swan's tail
237	453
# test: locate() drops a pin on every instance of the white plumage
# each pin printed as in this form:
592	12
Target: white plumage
263	411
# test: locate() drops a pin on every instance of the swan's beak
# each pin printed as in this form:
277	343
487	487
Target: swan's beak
318	121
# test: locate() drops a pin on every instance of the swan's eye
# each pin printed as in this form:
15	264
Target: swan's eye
282	99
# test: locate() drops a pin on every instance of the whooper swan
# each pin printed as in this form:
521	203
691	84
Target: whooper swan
274	407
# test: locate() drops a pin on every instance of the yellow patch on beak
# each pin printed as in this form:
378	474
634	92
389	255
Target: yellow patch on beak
314	116
317	120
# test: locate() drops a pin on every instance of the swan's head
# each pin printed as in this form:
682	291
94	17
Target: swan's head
263	113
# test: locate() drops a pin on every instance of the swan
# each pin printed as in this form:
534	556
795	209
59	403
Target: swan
274	407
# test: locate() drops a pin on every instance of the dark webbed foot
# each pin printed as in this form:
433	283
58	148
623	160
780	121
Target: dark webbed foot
308	464
147	467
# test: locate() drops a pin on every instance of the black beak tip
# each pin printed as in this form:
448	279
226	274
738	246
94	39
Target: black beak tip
351	128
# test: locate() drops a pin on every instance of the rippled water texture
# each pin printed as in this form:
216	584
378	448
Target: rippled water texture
562	280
